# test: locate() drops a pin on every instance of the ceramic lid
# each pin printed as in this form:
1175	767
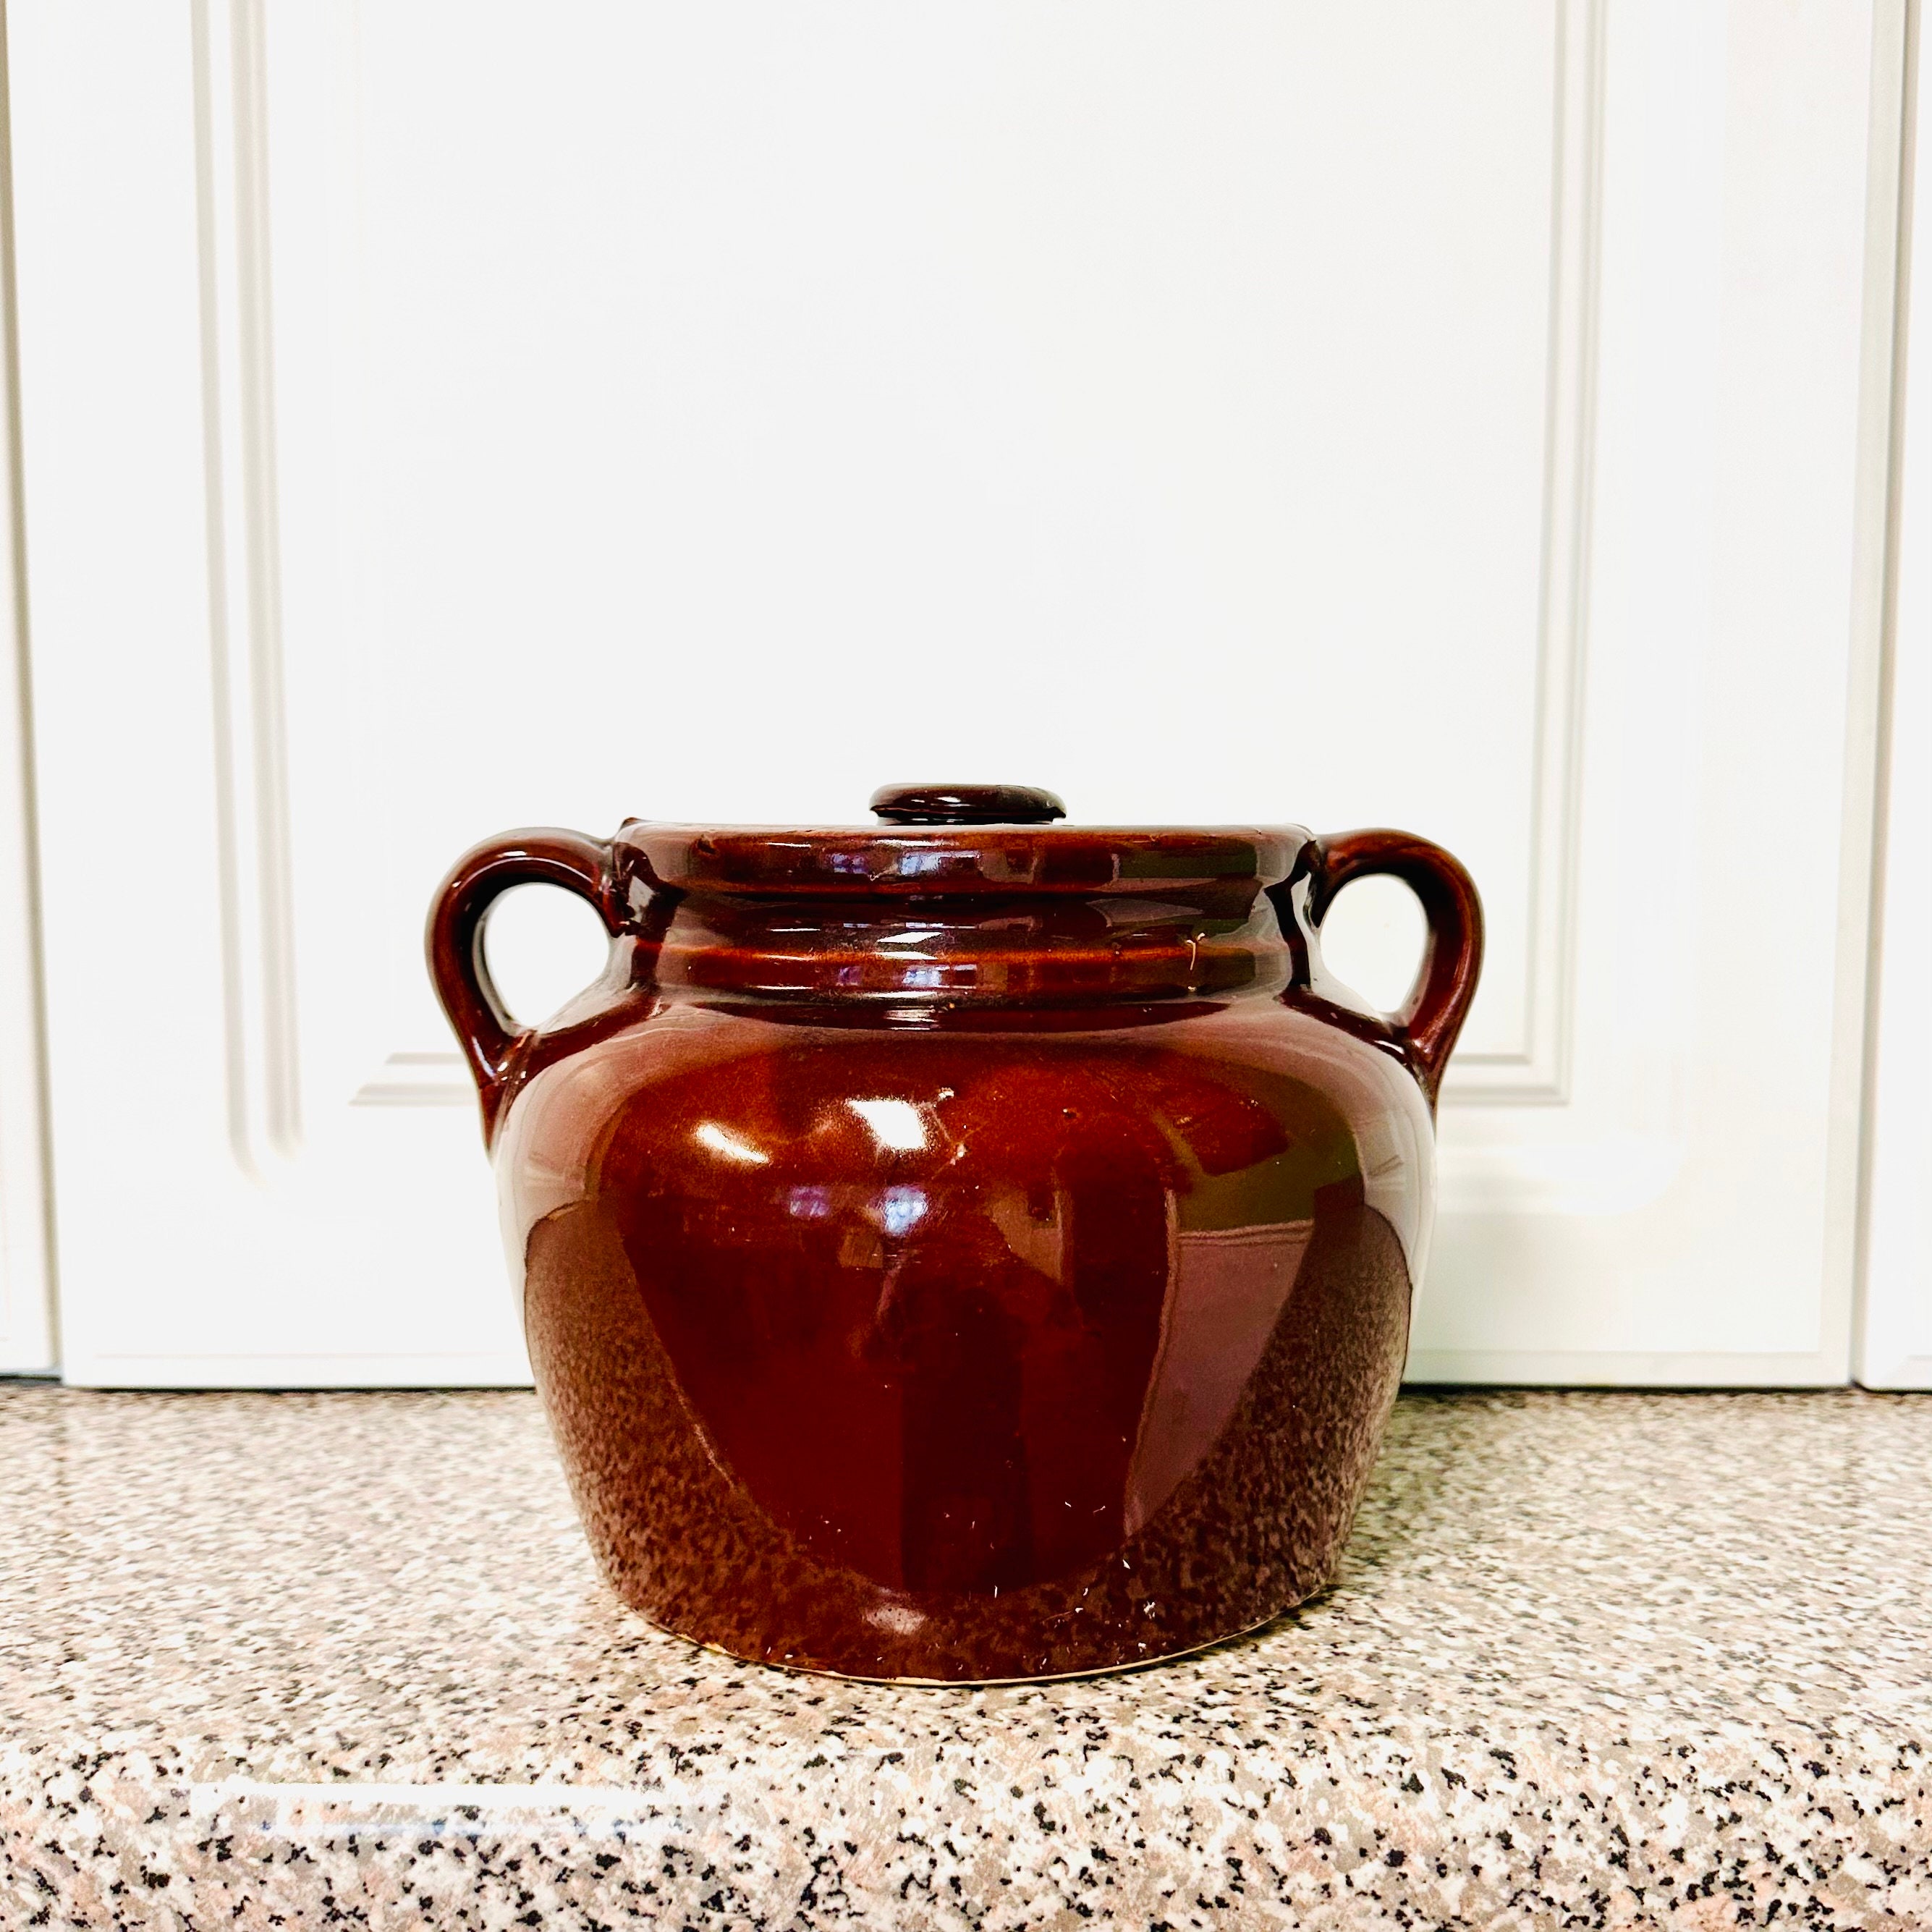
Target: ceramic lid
938	839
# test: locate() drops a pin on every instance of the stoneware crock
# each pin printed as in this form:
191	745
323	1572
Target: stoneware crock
970	1246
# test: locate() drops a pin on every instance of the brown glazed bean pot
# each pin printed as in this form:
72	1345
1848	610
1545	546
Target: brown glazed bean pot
965	1248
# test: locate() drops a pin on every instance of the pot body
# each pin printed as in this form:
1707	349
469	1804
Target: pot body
964	1341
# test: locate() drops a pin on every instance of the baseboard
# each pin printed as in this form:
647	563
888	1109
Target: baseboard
475	1368
1586	1368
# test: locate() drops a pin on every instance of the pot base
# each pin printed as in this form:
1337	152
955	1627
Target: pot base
1000	1683
1251	1530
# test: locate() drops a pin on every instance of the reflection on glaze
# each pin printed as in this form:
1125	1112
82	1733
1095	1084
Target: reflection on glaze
896	1125
721	1140
1225	1296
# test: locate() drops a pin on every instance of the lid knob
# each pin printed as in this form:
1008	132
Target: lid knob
966	804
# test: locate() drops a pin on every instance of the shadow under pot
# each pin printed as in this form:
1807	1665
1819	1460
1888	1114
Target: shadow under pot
968	1247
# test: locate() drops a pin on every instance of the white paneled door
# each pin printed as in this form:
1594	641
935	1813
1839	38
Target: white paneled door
437	419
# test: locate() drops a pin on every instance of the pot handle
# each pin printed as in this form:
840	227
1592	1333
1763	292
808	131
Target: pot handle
490	1039
1429	1020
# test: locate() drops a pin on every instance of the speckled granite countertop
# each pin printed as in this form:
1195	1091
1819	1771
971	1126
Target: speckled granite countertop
1593	1660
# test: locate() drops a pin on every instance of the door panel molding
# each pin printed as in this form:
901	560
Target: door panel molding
258	948
28	1330
1538	1071
1535	1071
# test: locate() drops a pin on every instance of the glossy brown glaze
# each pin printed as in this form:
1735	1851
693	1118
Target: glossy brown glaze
964	1251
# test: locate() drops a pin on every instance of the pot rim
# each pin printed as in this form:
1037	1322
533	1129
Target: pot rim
957	859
